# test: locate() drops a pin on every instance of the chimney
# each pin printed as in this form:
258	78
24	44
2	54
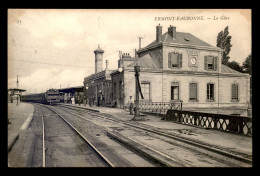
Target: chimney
158	33
120	63
106	64
126	55
172	31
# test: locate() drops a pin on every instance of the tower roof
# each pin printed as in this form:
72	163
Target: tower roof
99	50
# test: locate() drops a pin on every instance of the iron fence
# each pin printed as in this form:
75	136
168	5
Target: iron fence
159	107
231	123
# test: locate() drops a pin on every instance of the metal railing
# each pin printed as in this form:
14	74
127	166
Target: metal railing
159	107
231	123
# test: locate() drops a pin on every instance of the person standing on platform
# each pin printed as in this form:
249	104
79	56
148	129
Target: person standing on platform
131	105
94	100
90	101
73	100
98	101
103	100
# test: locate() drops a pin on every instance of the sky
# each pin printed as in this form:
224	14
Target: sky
54	48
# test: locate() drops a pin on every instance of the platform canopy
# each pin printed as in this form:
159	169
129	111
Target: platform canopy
16	91
72	89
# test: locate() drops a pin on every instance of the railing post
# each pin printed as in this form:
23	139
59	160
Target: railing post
179	116
236	124
240	124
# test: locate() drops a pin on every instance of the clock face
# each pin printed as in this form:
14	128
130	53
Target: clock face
193	60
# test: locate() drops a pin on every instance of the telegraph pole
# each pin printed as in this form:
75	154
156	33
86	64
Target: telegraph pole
134	53
17	83
120	55
140	38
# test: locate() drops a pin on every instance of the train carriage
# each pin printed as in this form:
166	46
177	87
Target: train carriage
36	98
51	96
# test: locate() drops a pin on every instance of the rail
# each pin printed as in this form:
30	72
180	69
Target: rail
216	149
159	107
83	137
43	144
230	123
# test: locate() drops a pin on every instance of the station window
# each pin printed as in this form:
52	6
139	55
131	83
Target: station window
174	60
210	92
193	91
210	62
145	87
234	92
175	91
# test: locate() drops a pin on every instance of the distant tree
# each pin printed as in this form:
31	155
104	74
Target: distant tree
247	68
247	64
224	42
235	65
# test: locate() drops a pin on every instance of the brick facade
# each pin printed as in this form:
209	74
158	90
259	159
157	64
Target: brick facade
98	86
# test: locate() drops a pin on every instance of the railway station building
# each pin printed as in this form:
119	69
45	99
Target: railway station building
179	67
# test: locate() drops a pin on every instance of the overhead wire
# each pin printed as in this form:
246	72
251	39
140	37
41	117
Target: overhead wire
58	64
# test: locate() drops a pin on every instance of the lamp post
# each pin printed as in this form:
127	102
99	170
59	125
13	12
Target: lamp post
137	70
137	89
120	69
99	97
86	96
17	83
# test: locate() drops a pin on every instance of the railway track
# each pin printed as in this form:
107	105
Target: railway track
93	151
232	158
43	144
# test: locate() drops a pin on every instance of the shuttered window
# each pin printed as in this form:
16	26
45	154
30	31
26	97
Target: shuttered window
215	63
193	91
174	60
210	62
234	92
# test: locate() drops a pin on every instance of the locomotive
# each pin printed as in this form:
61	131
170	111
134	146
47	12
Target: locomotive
51	97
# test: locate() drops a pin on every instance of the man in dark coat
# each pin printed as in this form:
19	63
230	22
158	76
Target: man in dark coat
90	101
131	105
98	101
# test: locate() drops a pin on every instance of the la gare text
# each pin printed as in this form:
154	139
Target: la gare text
223	17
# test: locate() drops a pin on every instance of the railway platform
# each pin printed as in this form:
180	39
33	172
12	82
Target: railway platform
19	117
224	140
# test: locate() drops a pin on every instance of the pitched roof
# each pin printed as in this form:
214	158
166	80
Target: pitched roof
146	61
105	73
182	38
226	69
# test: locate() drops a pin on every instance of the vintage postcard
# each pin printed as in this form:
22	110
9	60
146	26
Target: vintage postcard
129	88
